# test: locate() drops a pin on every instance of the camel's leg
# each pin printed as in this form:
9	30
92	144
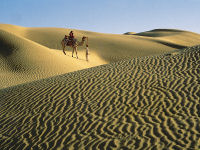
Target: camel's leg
63	46
72	51
76	53
64	50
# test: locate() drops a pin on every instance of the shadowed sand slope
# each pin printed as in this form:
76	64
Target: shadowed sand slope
28	54
143	103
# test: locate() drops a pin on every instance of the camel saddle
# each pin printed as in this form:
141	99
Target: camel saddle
69	41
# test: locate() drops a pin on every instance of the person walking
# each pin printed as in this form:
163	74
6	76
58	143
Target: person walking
87	52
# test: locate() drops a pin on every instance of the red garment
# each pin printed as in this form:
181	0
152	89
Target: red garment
71	35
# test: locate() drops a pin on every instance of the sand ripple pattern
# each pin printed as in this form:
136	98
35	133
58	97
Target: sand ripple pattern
143	103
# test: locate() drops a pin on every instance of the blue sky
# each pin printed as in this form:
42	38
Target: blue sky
106	16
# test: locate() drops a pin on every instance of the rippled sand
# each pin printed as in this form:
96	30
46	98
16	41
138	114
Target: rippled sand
147	102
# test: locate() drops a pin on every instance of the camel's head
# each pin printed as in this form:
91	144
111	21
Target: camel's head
83	38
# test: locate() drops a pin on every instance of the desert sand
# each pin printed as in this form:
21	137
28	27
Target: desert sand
29	54
138	90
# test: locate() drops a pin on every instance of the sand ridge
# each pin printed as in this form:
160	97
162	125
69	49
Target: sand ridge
147	102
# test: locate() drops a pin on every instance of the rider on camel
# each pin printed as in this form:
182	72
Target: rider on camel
71	35
69	39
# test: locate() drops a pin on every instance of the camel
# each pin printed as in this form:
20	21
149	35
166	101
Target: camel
74	44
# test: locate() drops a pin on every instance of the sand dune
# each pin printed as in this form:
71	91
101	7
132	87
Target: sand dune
29	54
171	37
23	60
149	102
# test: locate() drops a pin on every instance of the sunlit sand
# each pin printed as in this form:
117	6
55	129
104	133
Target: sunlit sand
137	91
